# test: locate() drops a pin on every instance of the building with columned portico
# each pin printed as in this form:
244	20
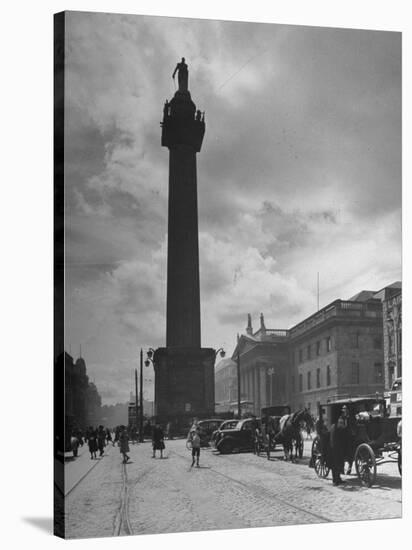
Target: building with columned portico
347	348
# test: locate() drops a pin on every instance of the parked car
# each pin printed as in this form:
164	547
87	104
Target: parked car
226	425
239	438
207	427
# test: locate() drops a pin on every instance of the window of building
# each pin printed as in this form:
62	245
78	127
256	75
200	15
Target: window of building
308	351
318	347
328	344
328	378
309	380
300	382
355	372
300	356
318	378
377	342
378	373
293	384
354	340
390	344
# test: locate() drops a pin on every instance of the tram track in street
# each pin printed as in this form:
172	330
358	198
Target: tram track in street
122	523
262	491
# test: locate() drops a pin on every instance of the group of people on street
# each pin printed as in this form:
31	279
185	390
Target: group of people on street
98	438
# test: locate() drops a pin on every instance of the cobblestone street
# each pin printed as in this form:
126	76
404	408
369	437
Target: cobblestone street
227	491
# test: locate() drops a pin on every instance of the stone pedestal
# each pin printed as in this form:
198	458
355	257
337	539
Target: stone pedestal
184	384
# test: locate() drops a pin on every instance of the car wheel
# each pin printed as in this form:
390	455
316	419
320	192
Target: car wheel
225	447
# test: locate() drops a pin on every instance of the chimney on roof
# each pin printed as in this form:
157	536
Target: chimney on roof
262	324
249	329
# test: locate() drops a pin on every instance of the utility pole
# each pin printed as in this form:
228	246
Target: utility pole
136	400
141	397
238	382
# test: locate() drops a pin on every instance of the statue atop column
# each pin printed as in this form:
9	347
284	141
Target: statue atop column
182	75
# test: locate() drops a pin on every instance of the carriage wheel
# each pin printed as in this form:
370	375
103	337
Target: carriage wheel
400	461
318	460
365	463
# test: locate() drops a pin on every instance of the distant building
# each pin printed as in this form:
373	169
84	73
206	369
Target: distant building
225	385
349	347
391	297
264	365
82	400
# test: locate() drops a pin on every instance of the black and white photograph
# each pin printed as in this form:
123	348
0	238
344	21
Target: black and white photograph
228	277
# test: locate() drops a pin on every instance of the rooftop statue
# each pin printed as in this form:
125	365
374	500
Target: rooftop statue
182	75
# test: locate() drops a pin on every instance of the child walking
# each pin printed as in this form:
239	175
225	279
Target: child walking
194	440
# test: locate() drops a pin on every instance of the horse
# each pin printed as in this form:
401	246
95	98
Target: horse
289	433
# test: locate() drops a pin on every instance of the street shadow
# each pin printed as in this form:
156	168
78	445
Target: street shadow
383	482
201	468
44	524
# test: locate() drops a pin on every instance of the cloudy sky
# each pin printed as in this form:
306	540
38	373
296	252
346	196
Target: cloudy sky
300	172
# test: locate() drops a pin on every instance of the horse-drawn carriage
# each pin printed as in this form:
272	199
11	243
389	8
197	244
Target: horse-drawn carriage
371	435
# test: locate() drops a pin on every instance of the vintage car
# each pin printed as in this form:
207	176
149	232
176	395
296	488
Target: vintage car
239	438
226	425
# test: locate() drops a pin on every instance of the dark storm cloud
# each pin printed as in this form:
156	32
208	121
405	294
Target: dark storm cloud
299	173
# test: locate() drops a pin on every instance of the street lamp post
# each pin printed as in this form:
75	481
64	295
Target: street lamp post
238	382
147	362
136	397
141	438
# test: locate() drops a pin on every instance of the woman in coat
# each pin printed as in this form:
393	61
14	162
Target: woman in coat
101	440
124	444
92	442
158	440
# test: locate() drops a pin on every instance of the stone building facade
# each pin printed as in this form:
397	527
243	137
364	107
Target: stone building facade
392	332
337	352
347	348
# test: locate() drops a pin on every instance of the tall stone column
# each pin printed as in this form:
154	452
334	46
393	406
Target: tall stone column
184	372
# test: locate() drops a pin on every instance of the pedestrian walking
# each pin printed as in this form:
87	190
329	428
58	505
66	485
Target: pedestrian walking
116	435
158	443
193	438
124	444
74	444
92	442
101	440
337	449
